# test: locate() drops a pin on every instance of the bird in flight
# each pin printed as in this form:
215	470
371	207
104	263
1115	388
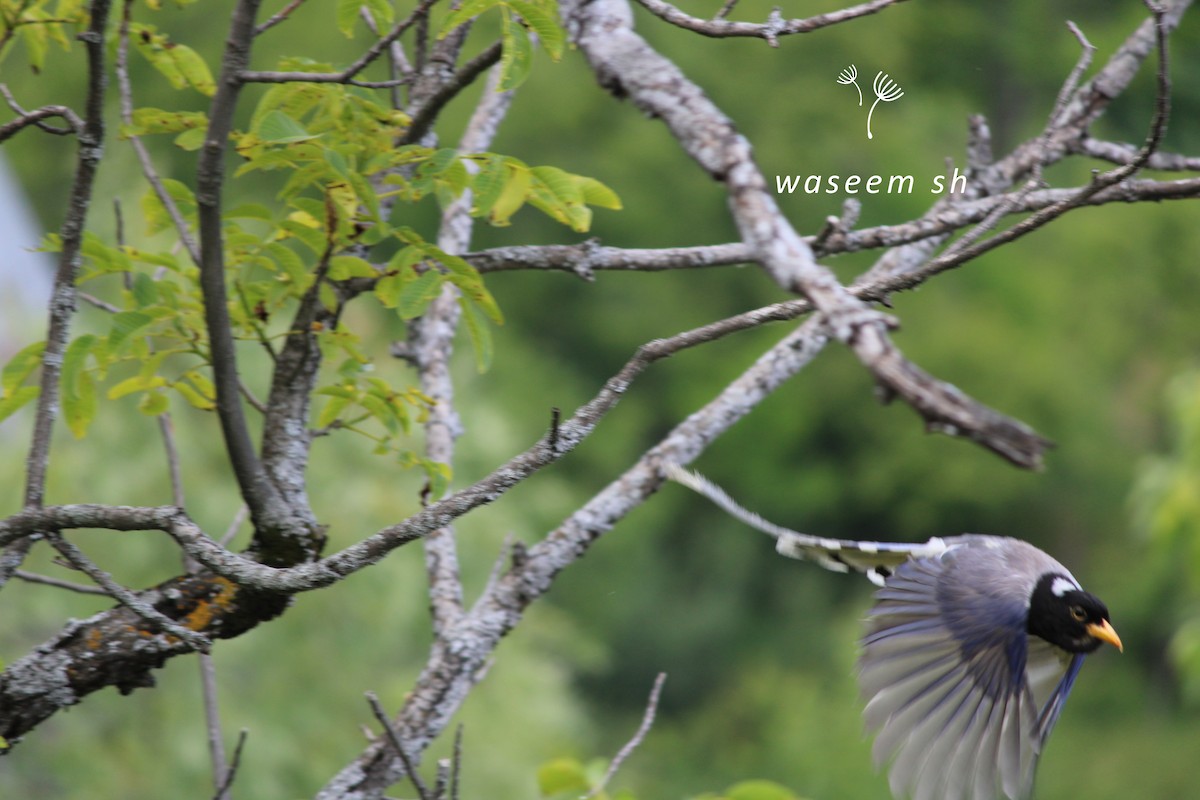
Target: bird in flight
970	651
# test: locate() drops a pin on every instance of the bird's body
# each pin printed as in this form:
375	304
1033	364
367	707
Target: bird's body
970	651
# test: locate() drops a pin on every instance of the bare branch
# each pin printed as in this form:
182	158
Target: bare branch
424	116
453	667
625	63
260	496
625	752
431	343
35	117
771	30
1120	153
63	295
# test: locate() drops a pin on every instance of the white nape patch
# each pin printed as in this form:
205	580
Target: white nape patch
1062	585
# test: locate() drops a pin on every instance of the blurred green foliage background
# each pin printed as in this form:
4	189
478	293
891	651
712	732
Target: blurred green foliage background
1078	329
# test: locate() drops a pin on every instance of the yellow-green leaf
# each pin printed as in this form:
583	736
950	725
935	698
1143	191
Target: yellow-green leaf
481	335
153	403
77	389
193	397
416	295
277	127
138	383
14	400
20	366
561	775
544	23
512	196
517	57
343	267
468	10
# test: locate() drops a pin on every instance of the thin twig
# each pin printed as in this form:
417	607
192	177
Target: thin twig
347	75
231	773
279	17
774	27
9	99
58	583
397	745
212	725
1013	199
456	762
149	172
633	744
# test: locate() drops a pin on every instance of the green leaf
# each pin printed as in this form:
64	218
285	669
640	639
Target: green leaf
332	410
596	193
417	295
78	390
759	790
439	475
365	192
277	127
153	403
191	140
126	324
544	24
202	384
294	272
157	120
327	296
193	68
488	183
194	398
138	383
179	64
559	195
343	267
561	775
481	335
469	10
155	213
517	57
14	400
382	11
512	196
347	16
35	39
20	366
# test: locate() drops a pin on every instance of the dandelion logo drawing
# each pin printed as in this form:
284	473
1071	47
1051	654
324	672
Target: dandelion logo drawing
886	90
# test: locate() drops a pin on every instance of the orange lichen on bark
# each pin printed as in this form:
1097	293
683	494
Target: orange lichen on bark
221	600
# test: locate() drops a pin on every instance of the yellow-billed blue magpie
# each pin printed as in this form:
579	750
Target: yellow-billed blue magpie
970	651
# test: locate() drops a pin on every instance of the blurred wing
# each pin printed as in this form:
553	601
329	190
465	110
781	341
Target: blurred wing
943	669
877	559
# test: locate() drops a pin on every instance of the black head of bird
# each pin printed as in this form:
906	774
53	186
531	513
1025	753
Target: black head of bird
970	651
1069	617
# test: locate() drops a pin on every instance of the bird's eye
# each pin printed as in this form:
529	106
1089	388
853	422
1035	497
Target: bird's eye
1078	613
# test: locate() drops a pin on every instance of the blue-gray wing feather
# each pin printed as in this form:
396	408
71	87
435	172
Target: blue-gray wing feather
943	668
